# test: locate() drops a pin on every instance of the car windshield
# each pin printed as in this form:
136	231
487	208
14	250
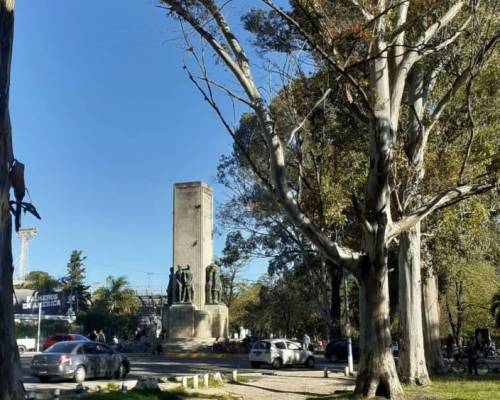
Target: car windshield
262	346
61	347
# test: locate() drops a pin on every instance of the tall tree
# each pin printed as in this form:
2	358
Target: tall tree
11	387
41	281
235	257
74	281
116	297
386	53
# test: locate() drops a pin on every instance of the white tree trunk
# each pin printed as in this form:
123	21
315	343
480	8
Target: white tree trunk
412	366
430	313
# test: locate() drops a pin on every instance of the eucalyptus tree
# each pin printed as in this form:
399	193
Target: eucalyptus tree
392	38
11	386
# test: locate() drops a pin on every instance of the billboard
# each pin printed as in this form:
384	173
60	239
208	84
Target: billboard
54	305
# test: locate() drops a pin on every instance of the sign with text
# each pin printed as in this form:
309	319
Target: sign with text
52	303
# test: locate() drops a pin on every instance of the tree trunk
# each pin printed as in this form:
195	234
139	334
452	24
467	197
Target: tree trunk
430	313
412	366
377	370
11	387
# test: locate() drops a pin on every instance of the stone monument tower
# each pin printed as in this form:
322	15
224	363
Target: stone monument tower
194	312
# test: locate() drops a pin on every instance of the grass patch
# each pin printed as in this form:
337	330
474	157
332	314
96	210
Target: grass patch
448	387
172	394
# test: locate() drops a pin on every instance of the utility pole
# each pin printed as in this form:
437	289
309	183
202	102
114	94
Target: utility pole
24	234
350	364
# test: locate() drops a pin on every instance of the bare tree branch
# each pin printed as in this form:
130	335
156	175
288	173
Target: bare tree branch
367	15
316	105
340	256
442	200
471	132
324	54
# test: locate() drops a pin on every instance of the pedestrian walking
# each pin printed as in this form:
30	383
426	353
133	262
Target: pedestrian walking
472	356
306	341
101	337
93	335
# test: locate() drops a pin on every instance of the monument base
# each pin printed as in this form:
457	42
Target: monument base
188	327
191	345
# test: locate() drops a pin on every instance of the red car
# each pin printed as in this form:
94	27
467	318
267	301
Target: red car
61	337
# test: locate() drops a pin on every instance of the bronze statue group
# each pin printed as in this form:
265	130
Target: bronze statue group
180	285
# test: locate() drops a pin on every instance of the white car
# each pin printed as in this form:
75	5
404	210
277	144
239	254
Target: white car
26	344
279	352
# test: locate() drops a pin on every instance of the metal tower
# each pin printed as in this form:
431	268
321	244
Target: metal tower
24	234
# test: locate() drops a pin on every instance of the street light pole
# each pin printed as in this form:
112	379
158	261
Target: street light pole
350	365
39	322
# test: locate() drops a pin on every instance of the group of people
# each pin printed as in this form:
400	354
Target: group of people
100	337
475	346
97	336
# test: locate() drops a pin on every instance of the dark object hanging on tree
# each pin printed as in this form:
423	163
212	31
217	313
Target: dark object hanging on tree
16	175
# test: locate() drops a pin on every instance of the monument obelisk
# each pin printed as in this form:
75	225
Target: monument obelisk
190	315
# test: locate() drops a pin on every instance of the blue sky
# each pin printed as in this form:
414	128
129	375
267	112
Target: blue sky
106	121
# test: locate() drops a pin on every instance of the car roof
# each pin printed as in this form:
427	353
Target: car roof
278	340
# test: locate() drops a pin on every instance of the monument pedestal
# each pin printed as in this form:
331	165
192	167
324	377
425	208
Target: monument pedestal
184	322
181	317
219	320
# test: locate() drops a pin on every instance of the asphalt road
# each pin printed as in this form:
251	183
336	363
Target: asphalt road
158	366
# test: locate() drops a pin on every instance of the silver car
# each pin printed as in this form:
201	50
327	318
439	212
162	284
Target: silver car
79	360
279	352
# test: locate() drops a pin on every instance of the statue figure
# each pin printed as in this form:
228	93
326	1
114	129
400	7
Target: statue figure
210	284
179	284
187	285
214	284
217	285
170	287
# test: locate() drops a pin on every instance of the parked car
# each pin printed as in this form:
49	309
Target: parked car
336	350
279	352
26	344
79	360
62	337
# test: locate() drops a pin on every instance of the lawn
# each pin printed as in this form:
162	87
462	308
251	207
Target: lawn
449	387
174	394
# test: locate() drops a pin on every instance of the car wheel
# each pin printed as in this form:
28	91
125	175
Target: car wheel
121	372
44	379
21	349
80	374
277	363
255	364
310	362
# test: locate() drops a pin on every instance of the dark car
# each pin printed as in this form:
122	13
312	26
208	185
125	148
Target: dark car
336	350
61	337
79	360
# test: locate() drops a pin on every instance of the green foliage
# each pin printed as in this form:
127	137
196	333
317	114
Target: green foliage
116	297
464	253
74	281
495	309
112	323
151	394
41	282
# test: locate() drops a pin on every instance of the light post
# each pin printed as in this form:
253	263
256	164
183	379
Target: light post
350	365
39	323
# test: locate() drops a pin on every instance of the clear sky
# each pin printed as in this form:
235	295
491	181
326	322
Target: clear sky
106	121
